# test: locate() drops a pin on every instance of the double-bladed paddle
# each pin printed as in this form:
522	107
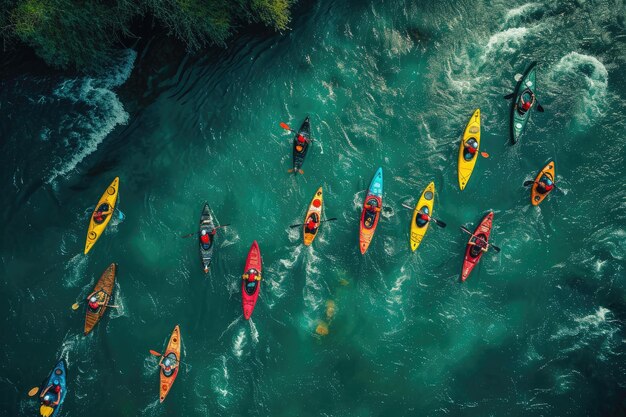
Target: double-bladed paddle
321	221
466	230
195	233
437	222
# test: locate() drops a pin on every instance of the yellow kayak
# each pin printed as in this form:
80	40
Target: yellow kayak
106	205
314	213
472	133
424	205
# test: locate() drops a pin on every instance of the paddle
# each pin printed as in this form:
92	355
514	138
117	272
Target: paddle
321	221
76	305
301	172
286	127
195	233
530	182
437	222
466	230
157	354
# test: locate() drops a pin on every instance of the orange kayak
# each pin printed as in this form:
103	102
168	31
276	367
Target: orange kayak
314	213
173	354
103	292
535	196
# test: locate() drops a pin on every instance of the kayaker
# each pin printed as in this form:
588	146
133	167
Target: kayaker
50	392
545	185
311	225
478	244
525	105
93	302
301	141
168	365
205	240
101	213
421	219
372	206
471	147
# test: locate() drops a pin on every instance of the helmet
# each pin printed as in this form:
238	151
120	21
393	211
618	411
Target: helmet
47	397
167	362
203	232
93	299
548	181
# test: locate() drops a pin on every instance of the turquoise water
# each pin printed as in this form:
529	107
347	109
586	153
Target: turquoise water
537	329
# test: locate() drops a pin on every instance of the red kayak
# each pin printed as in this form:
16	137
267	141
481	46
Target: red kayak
473	253
251	279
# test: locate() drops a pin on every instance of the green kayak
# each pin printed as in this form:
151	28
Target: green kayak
524	92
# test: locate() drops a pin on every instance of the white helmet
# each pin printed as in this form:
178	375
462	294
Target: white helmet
203	232
93	299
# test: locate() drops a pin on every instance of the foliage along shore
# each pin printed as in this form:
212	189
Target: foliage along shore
75	34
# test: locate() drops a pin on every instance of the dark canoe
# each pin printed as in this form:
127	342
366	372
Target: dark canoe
300	155
519	121
206	223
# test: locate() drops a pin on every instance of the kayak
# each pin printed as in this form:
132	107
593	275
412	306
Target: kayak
525	85
466	160
109	198
473	252
424	205
104	293
536	197
172	352
315	213
59	373
206	223
369	219
250	289
300	151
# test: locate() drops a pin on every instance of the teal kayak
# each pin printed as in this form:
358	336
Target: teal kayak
525	87
57	377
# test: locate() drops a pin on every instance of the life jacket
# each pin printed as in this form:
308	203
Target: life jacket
424	216
470	149
301	139
548	187
204	239
526	105
56	389
94	306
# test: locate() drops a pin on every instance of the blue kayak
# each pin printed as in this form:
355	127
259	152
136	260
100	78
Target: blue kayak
58	373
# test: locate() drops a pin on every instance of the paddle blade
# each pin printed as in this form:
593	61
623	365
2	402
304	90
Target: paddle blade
407	206
497	249
295	225
484	154
527	183
301	172
518	77
285	126
509	96
439	223
33	391
539	108
75	306
155	353
465	229
46	411
290	171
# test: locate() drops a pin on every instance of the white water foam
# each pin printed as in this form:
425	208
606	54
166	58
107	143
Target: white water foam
254	333
239	343
595	327
507	41
591	76
85	131
521	10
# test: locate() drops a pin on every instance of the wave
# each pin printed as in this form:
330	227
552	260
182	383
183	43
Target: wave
521	10
84	131
597	328
587	79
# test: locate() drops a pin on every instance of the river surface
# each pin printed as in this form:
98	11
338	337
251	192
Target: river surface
536	330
